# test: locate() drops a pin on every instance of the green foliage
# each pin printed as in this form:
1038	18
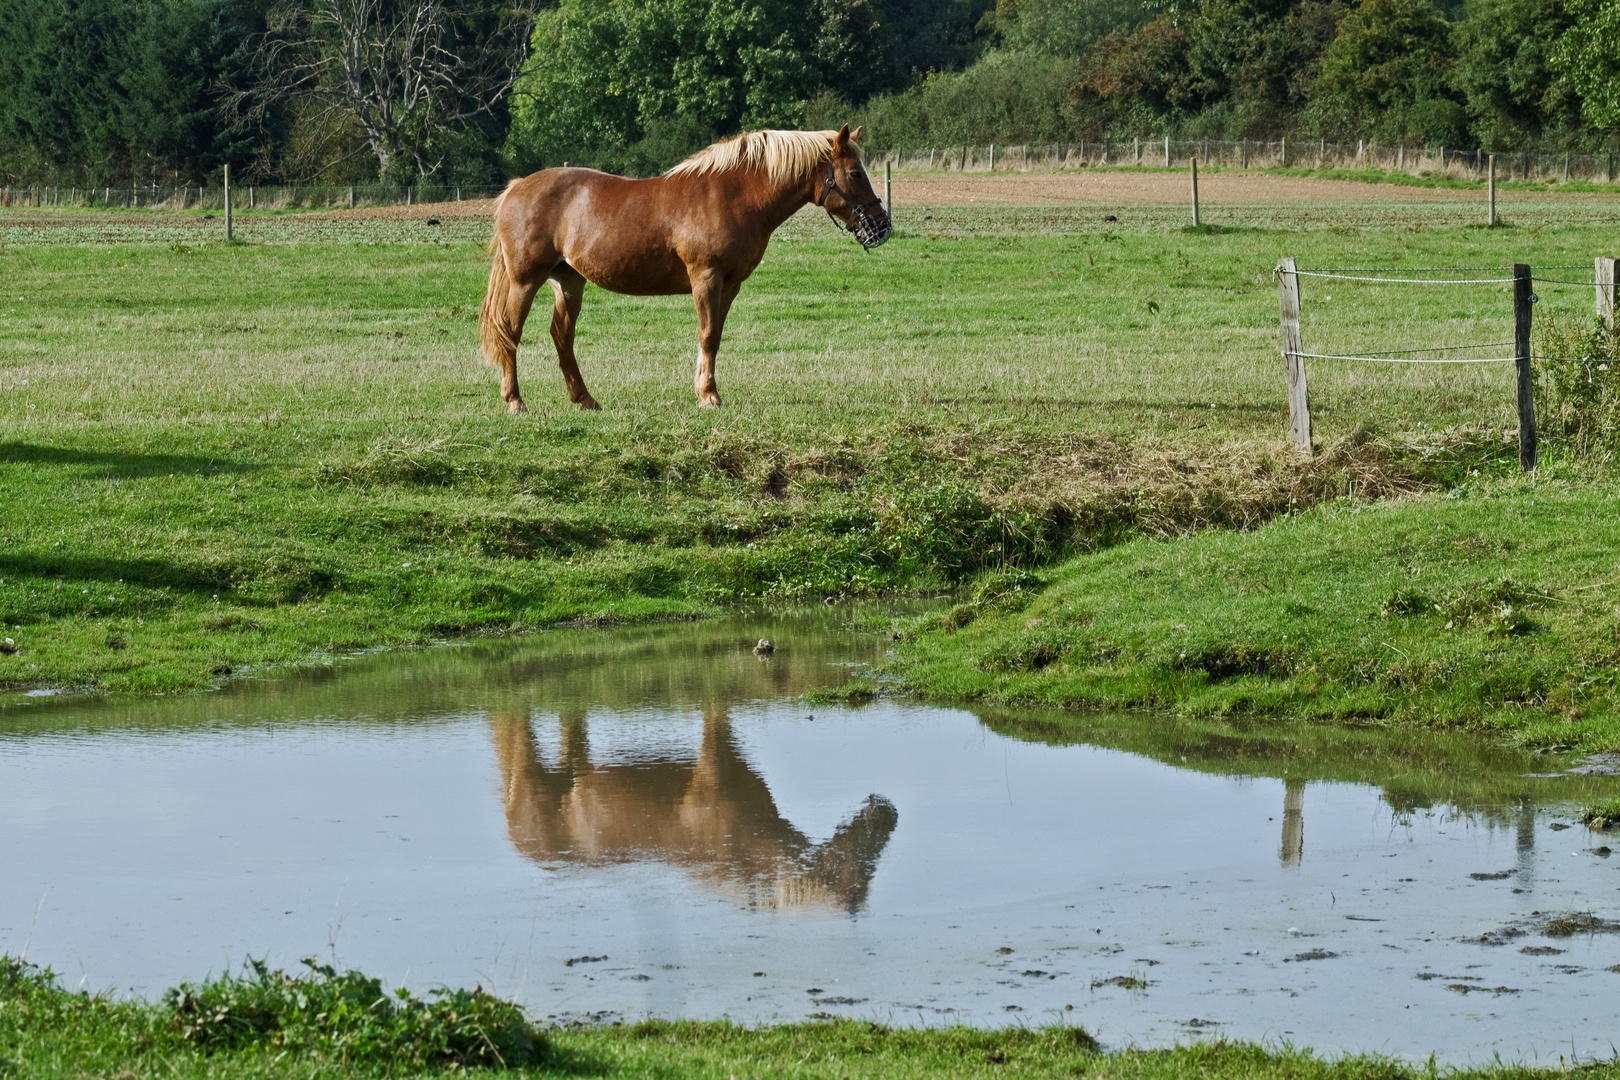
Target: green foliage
1504	71
98	92
1578	395
1385	75
1585	56
1007	97
637	84
1066	28
348	1016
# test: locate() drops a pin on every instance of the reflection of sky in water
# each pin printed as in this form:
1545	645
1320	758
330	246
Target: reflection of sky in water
511	823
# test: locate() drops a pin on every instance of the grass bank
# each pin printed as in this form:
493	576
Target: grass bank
338	1024
1494	607
217	457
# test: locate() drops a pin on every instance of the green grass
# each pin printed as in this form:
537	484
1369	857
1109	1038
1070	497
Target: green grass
1491	608
216	457
328	1024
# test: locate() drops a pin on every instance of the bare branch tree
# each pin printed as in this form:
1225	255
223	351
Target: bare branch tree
406	72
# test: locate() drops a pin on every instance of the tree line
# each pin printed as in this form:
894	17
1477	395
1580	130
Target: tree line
131	92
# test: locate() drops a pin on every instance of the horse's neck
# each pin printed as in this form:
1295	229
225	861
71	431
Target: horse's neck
775	203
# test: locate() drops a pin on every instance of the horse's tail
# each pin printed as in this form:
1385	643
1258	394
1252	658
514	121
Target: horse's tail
497	335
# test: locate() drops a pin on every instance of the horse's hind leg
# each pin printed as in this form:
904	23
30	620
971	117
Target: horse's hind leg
500	326
569	286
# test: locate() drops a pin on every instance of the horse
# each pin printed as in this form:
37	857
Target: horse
700	228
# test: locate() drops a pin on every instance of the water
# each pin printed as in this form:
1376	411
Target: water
647	822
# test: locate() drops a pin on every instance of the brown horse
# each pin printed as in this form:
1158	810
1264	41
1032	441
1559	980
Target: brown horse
701	228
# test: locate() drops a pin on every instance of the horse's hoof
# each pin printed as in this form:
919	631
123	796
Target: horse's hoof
589	405
517	406
710	402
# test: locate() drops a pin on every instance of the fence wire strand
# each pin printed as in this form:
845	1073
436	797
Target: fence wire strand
1404	359
1404	281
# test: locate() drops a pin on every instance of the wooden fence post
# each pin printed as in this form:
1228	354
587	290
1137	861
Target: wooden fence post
1523	298
992	157
1490	191
1606	294
1299	396
227	202
1167	151
1195	191
888	201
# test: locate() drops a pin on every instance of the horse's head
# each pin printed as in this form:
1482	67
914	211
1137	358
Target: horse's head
847	194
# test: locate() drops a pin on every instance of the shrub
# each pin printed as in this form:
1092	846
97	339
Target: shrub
1579	399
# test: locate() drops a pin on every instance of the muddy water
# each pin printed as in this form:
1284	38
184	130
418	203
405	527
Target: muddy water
617	824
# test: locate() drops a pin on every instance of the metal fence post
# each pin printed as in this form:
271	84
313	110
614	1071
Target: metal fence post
227	202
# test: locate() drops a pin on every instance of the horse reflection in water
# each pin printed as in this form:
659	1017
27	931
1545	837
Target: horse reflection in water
712	816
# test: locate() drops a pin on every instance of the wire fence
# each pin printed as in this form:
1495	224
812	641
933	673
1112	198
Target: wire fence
1524	278
243	196
1409	356
1456	162
1435	161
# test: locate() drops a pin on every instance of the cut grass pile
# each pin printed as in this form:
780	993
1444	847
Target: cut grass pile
328	1024
218	457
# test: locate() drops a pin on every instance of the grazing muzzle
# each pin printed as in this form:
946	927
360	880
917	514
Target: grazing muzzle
869	221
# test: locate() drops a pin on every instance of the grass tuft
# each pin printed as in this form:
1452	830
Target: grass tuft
349	1017
1602	814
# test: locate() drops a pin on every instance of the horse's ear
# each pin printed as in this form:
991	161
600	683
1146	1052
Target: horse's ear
843	134
855	136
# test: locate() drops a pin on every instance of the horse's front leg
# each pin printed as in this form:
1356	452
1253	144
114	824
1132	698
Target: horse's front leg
712	294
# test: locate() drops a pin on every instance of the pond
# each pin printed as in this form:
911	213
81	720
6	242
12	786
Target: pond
614	824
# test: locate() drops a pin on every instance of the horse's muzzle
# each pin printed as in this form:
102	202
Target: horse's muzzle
871	225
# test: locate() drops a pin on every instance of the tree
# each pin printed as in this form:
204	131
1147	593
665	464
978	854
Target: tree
1386	75
1252	62
1061	27
103	91
1587	57
634	85
1142	76
1505	71
411	75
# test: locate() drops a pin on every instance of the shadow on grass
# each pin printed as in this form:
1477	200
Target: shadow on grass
266	579
147	573
119	463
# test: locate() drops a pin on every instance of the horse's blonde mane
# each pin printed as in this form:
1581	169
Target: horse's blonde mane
781	155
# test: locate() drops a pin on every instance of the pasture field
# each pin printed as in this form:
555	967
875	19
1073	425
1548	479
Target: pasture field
315	1028
217	457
